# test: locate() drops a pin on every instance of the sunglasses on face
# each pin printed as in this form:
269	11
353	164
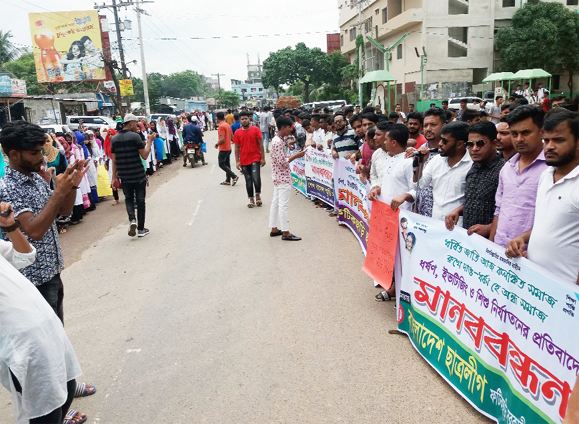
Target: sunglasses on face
479	143
337	121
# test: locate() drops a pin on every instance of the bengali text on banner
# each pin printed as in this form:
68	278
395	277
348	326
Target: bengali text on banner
320	175
502	332
298	170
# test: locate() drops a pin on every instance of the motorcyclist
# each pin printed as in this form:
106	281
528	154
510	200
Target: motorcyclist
193	134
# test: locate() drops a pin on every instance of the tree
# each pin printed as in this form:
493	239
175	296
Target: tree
286	66
8	52
229	99
542	35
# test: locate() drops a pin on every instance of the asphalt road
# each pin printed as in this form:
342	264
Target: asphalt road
209	320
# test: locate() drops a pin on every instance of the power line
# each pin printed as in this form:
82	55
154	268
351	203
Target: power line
238	36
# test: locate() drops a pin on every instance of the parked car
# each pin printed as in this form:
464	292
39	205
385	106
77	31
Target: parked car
91	122
55	128
157	116
454	103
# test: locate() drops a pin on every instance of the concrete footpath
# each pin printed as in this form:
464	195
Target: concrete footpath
209	320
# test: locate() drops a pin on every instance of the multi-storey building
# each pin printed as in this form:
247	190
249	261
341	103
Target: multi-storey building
456	35
251	91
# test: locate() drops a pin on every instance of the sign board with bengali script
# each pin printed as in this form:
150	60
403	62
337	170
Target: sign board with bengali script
298	170
352	201
320	175
67	46
501	332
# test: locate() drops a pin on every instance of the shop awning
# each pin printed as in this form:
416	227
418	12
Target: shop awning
378	76
500	76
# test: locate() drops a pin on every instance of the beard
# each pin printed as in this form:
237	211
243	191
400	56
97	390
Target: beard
562	159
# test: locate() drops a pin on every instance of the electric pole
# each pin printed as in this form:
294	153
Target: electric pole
218	82
145	83
360	5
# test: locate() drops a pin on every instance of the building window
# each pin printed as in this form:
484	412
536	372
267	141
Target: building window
458	42
457	7
556	81
508	3
572	2
352	33
368	25
342	40
399	51
384	15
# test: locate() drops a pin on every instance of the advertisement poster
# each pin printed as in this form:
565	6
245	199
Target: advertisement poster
298	170
352	201
501	332
67	46
18	88
126	87
5	84
320	175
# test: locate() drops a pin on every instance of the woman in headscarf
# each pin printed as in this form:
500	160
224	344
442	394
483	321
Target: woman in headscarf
82	193
98	138
163	133
175	151
54	153
158	145
95	159
65	144
81	139
109	162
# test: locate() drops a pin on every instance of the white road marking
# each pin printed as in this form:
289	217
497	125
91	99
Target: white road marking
213	169
190	223
133	350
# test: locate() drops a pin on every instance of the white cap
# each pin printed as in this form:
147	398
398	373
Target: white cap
194	119
130	117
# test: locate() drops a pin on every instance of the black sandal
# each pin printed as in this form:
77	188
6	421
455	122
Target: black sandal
259	202
291	237
225	183
276	234
383	296
235	181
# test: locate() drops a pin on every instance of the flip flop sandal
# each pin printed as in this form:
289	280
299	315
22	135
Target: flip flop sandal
81	390
251	205
235	181
276	234
70	416
224	183
258	203
383	296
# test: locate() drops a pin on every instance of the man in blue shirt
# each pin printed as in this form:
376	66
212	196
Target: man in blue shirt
237	124
192	134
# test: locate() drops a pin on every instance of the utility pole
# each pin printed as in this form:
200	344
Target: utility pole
218	82
121	52
145	83
360	4
423	60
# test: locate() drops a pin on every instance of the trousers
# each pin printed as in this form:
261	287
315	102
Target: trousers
53	292
279	207
252	178
265	136
225	164
138	191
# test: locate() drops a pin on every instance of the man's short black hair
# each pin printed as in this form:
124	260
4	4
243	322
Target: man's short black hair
348	110
559	115
368	109
458	130
306	123
498	97
355	118
218	115
504	118
283	121
393	115
436	111
399	132
415	115
505	106
296	113
524	112
304	115
464	100
371	132
469	115
236	116
384	125
486	128
370	116
482	113
432	105
329	119
246	113
448	113
21	136
342	114
229	110
445	102
315	117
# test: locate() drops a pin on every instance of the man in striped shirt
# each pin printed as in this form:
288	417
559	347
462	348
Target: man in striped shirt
345	143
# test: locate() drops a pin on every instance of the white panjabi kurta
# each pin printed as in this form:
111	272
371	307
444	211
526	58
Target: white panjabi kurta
33	344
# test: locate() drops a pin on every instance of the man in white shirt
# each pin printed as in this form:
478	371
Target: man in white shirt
380	159
401	115
399	173
554	239
542	92
519	91
318	134
527	91
534	99
264	119
447	173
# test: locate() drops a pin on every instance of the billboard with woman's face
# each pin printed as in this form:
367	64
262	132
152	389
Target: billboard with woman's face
67	46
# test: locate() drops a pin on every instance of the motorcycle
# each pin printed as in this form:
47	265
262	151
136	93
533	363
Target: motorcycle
193	154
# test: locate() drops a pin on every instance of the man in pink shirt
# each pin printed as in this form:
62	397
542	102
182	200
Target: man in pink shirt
282	180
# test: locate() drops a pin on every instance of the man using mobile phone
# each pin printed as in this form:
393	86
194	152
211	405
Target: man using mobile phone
127	149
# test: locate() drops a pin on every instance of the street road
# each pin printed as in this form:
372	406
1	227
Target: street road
209	320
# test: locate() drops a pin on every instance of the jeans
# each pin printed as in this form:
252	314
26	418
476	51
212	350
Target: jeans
56	416
252	178
53	292
279	207
265	136
225	164
138	190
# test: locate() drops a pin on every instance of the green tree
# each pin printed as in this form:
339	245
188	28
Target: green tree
229	99
183	84
8	52
542	35
286	66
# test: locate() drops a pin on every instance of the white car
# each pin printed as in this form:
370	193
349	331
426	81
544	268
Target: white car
165	116
454	103
55	128
91	122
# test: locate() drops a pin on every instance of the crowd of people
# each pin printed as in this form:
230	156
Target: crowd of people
510	176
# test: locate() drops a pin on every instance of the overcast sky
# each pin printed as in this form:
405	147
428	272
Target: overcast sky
185	19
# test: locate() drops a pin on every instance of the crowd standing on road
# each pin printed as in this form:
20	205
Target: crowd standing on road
508	172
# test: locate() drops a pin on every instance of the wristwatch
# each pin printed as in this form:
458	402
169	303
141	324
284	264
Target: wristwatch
13	227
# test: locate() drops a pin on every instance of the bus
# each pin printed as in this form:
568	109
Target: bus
334	105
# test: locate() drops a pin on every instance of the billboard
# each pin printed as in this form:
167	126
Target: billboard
67	46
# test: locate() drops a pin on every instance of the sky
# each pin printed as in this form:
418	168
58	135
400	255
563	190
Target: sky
185	19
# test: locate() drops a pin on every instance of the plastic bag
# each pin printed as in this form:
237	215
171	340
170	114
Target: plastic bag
103	182
204	148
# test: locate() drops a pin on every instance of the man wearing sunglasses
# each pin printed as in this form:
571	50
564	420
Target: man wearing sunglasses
345	143
481	181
